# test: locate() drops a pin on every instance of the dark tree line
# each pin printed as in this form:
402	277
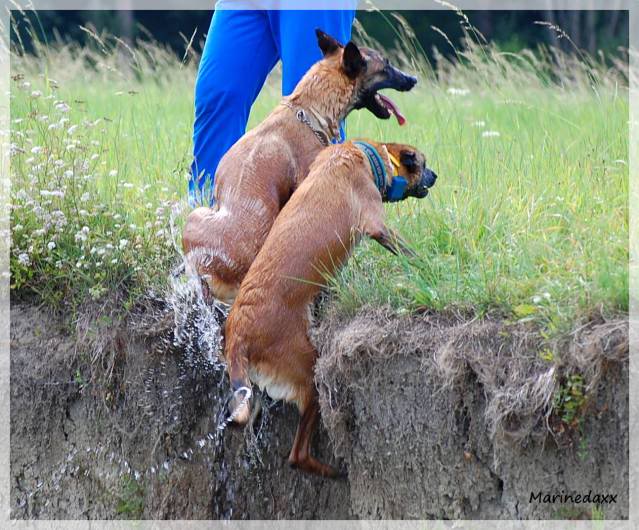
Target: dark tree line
512	30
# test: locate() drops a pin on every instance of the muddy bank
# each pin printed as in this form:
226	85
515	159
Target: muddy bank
424	427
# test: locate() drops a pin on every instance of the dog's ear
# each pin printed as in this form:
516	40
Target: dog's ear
327	44
352	61
408	159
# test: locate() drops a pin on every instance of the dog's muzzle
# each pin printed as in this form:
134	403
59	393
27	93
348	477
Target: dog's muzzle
427	180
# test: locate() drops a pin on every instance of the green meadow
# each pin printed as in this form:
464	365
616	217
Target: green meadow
529	216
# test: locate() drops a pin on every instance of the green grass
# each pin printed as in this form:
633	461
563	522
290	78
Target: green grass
531	222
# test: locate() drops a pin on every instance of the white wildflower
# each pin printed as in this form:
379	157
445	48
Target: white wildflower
72	129
490	134
479	123
36	150
458	91
51	245
36	94
123	243
113	173
23	259
62	106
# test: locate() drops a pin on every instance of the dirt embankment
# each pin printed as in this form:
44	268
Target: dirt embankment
433	417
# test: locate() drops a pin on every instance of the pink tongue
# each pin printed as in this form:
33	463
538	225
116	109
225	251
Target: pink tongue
390	105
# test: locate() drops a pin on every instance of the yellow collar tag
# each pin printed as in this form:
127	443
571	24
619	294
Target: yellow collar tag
395	163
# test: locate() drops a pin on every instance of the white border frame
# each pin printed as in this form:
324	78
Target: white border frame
582	5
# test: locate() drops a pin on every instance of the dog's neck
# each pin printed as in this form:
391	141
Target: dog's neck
327	94
380	163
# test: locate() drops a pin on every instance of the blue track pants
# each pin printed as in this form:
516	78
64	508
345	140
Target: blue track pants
241	48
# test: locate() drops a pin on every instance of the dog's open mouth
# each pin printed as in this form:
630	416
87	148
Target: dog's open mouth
382	106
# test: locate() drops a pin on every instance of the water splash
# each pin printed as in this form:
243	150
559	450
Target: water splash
183	384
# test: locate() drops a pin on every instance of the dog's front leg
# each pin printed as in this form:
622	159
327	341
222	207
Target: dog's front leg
391	241
372	224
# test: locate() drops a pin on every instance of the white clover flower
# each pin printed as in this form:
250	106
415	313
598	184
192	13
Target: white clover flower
114	261
44	117
23	259
62	106
39	232
127	185
109	246
95	156
85	229
86	196
58	264
113	173
123	243
58	163
18	228
83	213
36	150
51	245
68	173
490	134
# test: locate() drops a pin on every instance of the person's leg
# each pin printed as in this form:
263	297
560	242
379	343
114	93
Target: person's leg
294	34
238	55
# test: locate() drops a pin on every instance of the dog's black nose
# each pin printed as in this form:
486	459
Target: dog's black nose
428	178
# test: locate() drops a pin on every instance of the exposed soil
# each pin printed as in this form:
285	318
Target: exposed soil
428	414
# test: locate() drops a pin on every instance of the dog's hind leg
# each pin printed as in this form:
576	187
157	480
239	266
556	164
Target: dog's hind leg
300	456
237	366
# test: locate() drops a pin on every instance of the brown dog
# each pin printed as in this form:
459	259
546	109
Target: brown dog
259	173
267	329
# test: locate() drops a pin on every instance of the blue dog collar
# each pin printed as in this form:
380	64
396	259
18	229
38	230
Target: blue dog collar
394	192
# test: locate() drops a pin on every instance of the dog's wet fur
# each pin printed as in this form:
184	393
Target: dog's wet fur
257	176
312	237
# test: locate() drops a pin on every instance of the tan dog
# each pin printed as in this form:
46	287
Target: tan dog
267	329
259	173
